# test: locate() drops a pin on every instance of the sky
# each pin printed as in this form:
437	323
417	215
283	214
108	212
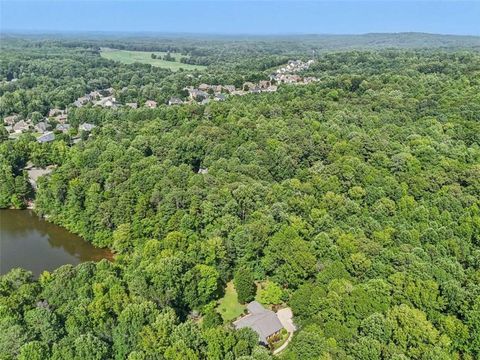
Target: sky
242	17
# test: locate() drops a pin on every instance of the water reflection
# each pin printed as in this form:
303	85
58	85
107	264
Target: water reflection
32	243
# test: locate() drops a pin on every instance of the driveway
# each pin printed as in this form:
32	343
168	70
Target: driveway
285	316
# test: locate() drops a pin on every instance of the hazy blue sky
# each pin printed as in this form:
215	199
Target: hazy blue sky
241	17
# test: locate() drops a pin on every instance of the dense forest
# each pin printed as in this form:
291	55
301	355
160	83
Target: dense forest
356	198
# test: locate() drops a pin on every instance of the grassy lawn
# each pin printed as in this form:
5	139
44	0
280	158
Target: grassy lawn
228	306
145	57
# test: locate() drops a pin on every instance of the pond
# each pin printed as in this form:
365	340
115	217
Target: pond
34	244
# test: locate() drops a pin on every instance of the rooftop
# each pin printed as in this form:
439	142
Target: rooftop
263	321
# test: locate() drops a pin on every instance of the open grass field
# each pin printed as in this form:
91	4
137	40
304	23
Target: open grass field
145	57
228	306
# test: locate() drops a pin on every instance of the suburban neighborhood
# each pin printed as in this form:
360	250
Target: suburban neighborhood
57	120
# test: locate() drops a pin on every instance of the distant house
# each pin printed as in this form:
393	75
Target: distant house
229	88
108	101
86	127
132	105
175	101
63	127
21	126
151	104
264	84
82	101
248	86
203	171
204	87
271	88
198	95
62	118
54	112
47	137
10	120
264	322
219	97
42	127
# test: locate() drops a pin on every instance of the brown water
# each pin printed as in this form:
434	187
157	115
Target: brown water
34	244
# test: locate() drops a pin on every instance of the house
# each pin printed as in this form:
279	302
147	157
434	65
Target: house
82	101
10	120
42	127
86	127
62	118
216	88
263	321
248	85
203	171
229	88
54	112
94	95
198	95
132	105
47	137
219	97
264	84
21	126
271	88
203	87
175	101
108	101
151	104
63	127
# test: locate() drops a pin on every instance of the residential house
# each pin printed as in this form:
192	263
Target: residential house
82	101
63	128
54	112
10	120
175	101
198	95
263	321
264	84
47	137
248	85
21	126
86	127
108	101
42	127
219	97
151	104
132	105
229	88
272	88
62	118
216	88
204	87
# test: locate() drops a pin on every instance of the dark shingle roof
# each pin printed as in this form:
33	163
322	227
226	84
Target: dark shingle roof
264	322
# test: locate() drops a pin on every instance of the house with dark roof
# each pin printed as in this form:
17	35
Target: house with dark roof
263	321
47	137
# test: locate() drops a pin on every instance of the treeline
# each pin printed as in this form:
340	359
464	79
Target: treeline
358	196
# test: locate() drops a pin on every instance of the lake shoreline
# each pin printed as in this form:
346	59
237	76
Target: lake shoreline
32	242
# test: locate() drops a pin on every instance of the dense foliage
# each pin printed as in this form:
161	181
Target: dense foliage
357	198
